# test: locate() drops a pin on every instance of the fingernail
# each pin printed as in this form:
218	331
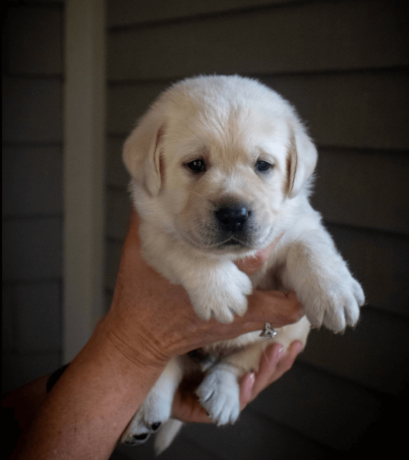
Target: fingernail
250	379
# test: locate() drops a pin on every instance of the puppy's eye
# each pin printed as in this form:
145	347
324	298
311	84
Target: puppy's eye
197	166
263	166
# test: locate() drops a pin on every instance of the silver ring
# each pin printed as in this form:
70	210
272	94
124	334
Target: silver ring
268	332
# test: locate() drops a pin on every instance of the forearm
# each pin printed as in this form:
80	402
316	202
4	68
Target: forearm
91	404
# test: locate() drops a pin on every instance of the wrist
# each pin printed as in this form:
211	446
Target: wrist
98	394
130	346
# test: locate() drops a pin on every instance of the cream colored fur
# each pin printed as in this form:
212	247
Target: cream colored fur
231	123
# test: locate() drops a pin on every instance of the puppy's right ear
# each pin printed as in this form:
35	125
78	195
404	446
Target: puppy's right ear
141	153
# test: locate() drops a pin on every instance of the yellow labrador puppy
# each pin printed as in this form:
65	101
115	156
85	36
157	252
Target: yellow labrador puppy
221	167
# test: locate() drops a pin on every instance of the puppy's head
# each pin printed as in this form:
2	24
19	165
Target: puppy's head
218	161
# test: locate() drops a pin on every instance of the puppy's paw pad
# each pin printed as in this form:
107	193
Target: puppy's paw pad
136	439
219	396
149	418
155	426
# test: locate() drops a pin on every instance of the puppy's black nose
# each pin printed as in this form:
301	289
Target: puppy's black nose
232	219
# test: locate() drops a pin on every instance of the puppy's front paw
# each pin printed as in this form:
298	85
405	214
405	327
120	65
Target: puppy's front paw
337	303
346	302
221	294
219	395
149	418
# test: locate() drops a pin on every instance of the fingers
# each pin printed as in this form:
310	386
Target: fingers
286	362
274	307
267	373
186	406
277	308
273	364
246	389
252	384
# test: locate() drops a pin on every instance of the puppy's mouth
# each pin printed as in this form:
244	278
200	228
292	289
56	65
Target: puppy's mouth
234	242
211	239
231	244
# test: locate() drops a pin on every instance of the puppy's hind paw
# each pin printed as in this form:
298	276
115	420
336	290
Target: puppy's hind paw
219	395
146	421
135	439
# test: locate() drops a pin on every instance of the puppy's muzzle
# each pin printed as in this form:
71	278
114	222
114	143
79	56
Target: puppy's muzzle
233	219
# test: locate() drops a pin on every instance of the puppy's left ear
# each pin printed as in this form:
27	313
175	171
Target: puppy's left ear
141	153
301	159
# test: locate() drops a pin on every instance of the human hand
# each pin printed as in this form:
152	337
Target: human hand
273	364
152	320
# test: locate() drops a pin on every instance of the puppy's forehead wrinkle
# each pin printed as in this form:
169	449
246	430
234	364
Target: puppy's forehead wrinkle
230	127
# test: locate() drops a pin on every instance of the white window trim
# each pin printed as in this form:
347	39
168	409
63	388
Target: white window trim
84	140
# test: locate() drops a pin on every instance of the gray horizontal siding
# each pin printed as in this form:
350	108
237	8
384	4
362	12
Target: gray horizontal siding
128	102
38	317
118	208
32	191
124	13
255	436
32	110
39	3
28	310
34	40
312	36
7	317
21	368
364	188
304	399
355	110
32	249
380	262
32	180
116	174
374	354
341	110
